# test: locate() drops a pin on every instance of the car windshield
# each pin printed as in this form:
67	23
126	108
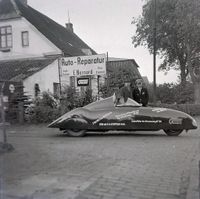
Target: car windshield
110	103
129	102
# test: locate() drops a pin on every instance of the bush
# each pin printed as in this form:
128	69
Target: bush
191	109
45	114
169	93
47	108
44	109
71	99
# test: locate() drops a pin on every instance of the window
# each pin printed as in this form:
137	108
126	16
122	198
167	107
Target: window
25	38
56	89
37	89
6	37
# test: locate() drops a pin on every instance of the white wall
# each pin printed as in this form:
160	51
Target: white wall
38	43
45	78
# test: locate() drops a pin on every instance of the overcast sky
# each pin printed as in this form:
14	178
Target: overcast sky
105	25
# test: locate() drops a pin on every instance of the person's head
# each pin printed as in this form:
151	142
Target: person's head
139	83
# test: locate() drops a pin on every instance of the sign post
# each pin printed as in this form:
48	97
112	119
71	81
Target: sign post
98	85
5	145
3	125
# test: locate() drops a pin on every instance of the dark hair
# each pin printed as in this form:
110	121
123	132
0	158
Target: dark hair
139	80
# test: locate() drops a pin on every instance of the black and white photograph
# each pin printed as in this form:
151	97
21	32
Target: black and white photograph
99	99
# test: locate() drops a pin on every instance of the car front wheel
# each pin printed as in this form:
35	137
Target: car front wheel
75	132
173	132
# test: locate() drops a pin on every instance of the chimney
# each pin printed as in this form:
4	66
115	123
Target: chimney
69	26
24	2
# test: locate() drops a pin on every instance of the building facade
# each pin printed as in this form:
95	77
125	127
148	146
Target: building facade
32	45
28	37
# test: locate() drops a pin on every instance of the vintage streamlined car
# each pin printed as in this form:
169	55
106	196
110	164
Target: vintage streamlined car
105	115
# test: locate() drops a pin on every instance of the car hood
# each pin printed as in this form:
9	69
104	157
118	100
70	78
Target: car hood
162	112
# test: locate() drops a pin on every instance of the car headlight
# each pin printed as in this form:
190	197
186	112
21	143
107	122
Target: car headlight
194	123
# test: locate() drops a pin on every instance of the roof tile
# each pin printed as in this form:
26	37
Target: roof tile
18	70
64	39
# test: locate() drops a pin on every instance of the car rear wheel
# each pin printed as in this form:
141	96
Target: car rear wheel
173	132
75	132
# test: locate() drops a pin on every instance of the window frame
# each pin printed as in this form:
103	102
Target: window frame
24	38
56	89
7	34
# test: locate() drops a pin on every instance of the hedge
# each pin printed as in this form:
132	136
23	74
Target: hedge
191	109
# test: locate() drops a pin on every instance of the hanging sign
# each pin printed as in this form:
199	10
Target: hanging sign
83	65
83	81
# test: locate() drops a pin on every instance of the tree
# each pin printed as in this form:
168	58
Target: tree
178	36
189	28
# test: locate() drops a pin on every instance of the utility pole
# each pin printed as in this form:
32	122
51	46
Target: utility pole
59	76
98	85
154	55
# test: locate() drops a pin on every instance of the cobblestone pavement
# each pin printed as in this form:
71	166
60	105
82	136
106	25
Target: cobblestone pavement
48	165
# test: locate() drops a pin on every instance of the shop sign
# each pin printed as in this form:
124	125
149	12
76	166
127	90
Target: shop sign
83	81
83	65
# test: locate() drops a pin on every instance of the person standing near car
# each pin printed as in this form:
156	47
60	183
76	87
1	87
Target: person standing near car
140	93
122	94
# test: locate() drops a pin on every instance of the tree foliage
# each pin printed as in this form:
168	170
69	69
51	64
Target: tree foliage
167	41
170	93
178	36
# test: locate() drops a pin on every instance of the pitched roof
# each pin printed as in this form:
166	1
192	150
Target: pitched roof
64	39
8	10
18	70
122	60
119	71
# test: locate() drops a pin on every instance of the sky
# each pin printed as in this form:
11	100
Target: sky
105	25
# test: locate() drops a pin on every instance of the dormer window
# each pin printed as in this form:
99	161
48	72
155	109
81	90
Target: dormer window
25	38
5	37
